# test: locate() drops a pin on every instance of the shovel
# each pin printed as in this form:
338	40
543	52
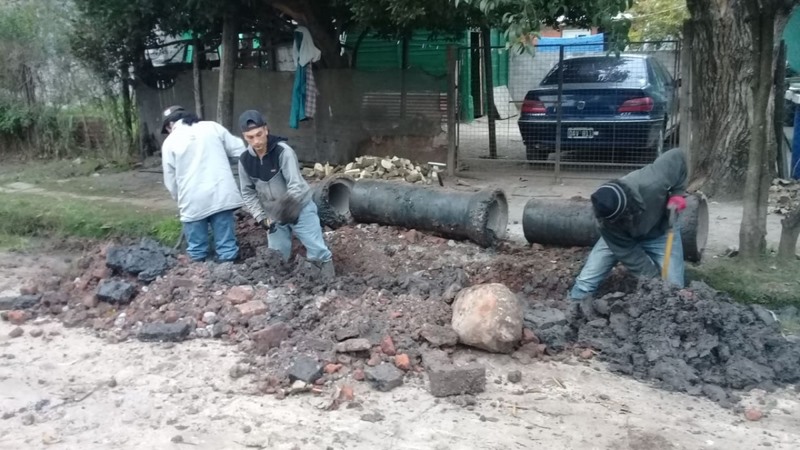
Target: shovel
670	240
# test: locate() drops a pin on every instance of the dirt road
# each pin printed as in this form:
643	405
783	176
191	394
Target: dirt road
70	389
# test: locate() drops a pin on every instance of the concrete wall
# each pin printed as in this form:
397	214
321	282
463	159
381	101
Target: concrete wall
526	71
344	125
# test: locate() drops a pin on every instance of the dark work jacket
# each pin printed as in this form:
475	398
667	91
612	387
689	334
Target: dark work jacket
648	190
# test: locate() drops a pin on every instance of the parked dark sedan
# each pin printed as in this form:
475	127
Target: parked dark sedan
621	102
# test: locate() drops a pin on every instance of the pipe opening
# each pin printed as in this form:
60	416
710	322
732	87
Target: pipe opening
497	215
339	197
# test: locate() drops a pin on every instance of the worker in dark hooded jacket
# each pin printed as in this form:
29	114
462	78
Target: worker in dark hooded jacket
633	220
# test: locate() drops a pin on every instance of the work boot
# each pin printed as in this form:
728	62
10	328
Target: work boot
574	313
327	272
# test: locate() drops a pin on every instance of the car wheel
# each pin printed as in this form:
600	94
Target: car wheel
536	153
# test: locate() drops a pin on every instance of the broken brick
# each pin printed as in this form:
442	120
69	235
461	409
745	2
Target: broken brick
447	379
240	294
253	308
359	375
332	368
529	337
17	317
387	346
270	337
347	394
402	362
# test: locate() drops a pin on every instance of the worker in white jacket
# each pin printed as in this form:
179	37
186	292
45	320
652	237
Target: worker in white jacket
198	175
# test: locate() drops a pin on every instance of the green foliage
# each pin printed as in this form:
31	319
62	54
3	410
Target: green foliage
394	19
523	19
765	282
657	20
31	215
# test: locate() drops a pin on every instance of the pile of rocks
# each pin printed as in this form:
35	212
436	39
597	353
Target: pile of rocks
784	196
373	167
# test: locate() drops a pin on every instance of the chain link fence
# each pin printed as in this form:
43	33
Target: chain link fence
574	109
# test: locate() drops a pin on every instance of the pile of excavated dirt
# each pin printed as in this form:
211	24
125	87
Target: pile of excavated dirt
390	306
392	295
693	340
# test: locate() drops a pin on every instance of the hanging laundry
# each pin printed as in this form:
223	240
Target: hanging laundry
311	93
305	53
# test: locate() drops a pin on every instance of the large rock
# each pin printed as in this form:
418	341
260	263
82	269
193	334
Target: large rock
147	260
115	291
489	317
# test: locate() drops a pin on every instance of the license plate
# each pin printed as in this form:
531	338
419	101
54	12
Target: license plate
580	133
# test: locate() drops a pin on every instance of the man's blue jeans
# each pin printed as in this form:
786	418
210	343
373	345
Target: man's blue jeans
222	227
602	260
308	230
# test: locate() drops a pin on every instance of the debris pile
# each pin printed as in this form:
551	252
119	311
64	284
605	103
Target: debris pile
373	167
693	340
389	314
784	196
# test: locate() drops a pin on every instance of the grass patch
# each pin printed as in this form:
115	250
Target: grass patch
12	242
766	282
31	215
49	170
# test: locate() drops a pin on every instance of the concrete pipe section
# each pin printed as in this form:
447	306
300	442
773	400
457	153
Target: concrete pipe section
571	224
481	217
332	196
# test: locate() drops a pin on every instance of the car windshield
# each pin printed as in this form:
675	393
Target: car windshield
598	70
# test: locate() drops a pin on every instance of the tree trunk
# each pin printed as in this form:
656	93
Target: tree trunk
778	110
720	49
487	61
230	47
790	230
127	109
753	231
197	77
767	20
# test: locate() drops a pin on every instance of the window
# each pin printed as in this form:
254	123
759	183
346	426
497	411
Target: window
599	70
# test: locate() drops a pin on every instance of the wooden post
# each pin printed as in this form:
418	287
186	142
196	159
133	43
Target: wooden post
452	67
685	107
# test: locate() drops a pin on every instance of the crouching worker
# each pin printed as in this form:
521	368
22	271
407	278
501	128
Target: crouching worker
633	218
277	195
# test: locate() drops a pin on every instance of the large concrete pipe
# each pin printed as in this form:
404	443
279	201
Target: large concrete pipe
332	196
571	224
481	217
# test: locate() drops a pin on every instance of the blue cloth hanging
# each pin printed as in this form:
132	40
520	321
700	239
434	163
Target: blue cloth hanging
298	113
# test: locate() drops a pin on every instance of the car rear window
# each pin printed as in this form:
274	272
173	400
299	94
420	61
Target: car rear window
598	70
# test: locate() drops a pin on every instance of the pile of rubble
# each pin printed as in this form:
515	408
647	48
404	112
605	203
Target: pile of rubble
373	167
402	303
784	196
